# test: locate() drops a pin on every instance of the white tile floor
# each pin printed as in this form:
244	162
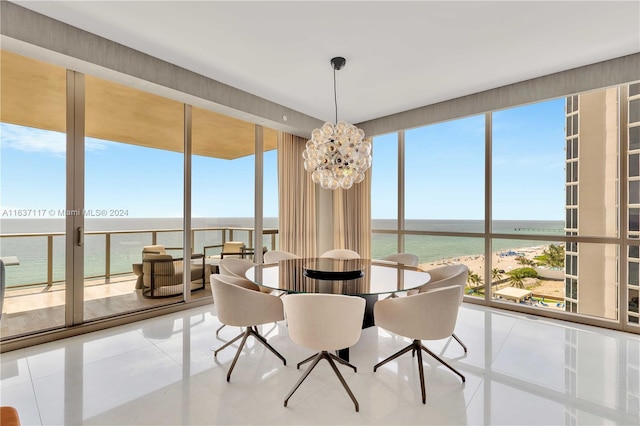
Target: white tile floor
520	369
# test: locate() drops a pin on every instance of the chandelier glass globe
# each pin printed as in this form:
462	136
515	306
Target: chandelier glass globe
337	155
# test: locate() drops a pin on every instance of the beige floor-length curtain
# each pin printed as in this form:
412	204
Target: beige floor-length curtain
297	198
352	217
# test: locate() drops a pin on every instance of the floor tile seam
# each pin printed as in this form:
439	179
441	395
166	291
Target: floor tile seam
155	342
406	381
7	386
289	385
560	396
295	399
35	395
365	414
475	391
202	380
504	341
576	326
28	379
80	340
532	317
158	341
33	379
595	408
166	354
507	380
92	363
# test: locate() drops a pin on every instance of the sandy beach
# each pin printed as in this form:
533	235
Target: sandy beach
542	288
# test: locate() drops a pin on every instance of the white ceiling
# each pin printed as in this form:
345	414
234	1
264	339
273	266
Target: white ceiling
400	55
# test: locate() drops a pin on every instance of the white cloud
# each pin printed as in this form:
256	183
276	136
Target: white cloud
94	144
36	140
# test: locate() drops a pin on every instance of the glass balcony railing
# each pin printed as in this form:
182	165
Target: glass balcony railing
41	256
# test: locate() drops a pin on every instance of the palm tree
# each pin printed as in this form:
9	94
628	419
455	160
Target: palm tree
552	256
516	279
474	279
496	275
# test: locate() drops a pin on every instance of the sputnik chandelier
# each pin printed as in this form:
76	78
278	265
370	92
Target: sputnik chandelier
336	155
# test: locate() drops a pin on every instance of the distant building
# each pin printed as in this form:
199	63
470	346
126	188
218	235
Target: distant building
597	125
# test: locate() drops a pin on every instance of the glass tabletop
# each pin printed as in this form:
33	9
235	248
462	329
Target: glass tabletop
336	276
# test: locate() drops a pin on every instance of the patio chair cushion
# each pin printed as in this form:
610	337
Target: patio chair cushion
165	270
154	249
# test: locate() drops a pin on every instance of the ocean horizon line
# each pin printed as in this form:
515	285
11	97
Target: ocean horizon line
44	224
125	249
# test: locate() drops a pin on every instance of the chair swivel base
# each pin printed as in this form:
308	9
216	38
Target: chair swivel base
220	328
334	357
250	331
460	341
456	338
417	347
329	357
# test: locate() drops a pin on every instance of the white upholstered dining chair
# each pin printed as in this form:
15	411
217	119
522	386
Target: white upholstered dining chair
324	322
340	254
430	315
236	268
446	276
273	256
408	259
244	307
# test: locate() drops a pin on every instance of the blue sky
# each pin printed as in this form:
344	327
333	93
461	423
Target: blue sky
444	167
444	172
146	182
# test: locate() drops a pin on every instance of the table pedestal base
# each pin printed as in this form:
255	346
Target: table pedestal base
367	321
371	300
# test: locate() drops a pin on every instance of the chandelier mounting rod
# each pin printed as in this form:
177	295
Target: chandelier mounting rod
337	64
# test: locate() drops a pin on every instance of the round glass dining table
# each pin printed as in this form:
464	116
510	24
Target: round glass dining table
355	277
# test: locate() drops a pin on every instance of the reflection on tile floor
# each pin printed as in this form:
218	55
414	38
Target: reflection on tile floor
520	369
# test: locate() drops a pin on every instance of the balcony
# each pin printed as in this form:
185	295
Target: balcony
35	296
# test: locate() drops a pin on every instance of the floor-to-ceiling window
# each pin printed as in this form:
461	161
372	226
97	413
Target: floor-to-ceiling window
128	186
270	215
633	196
33	155
133	193
528	200
554	238
444	193
441	171
384	195
223	180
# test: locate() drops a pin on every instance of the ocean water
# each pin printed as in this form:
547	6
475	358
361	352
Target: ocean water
431	248
126	249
